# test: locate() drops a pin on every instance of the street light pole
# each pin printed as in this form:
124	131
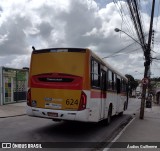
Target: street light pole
118	30
144	86
147	55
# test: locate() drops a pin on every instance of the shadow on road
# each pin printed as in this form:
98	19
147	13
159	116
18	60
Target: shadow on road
80	130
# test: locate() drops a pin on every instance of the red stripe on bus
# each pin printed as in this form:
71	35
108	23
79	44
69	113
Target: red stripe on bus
95	94
51	81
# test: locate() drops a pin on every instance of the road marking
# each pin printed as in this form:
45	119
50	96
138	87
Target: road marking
117	137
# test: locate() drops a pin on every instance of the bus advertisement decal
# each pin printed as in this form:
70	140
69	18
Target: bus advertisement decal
53	105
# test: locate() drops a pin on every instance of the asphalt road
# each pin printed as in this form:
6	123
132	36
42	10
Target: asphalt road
71	134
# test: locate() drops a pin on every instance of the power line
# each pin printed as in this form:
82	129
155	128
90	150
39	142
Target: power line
124	53
119	50
117	53
121	10
135	16
157	14
128	22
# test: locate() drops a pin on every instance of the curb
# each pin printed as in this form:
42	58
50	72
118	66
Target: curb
120	127
12	116
106	141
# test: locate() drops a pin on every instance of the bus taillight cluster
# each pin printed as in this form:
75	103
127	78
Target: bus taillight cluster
29	97
83	101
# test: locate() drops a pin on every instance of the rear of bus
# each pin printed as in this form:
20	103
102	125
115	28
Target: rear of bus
58	84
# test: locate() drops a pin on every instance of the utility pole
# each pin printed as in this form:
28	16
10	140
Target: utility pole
147	62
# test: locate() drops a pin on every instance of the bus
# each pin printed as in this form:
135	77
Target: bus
74	84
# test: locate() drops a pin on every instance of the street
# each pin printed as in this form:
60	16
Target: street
67	64
31	129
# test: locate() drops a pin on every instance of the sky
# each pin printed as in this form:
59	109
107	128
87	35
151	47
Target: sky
76	23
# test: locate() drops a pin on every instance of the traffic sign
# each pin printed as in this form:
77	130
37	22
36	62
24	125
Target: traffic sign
145	81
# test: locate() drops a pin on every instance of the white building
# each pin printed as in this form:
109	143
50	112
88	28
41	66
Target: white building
139	90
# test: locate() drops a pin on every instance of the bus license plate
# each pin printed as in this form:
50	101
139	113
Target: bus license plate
52	114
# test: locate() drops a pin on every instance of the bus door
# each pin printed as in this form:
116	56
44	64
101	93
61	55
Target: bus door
103	94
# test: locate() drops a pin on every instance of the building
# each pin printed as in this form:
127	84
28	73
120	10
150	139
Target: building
139	90
157	93
13	85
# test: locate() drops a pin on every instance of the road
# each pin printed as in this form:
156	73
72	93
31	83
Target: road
31	129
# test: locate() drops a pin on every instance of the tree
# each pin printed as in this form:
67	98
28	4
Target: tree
132	83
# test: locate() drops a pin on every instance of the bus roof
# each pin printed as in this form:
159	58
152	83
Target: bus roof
58	50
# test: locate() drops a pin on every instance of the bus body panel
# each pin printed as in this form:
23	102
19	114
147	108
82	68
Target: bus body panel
90	114
71	115
57	99
59	81
58	114
62	62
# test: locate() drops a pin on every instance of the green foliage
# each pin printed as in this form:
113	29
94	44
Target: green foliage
132	83
156	79
155	82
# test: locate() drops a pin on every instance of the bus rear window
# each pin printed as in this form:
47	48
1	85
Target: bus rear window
59	50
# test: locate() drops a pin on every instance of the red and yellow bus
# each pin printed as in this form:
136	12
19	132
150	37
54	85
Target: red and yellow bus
74	84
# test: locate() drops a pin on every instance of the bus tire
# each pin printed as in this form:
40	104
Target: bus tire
124	108
121	113
109	115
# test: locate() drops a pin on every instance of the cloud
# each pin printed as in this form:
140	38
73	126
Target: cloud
67	23
13	38
45	30
1	9
14	61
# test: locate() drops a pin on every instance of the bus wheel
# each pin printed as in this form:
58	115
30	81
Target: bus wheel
121	113
109	115
124	108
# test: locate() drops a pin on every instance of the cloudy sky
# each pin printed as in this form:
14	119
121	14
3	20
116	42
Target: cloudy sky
75	23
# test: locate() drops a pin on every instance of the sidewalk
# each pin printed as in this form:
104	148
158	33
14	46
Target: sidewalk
140	133
11	110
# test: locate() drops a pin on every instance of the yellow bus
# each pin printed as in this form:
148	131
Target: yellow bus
74	84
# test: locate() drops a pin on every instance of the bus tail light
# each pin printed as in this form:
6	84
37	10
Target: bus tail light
29	97
83	101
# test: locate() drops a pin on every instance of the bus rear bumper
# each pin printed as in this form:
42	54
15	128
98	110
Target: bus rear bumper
58	114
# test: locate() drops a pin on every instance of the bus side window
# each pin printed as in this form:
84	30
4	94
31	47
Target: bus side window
114	81
109	80
103	80
124	85
95	73
118	85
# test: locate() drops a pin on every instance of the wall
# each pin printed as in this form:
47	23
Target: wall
13	84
